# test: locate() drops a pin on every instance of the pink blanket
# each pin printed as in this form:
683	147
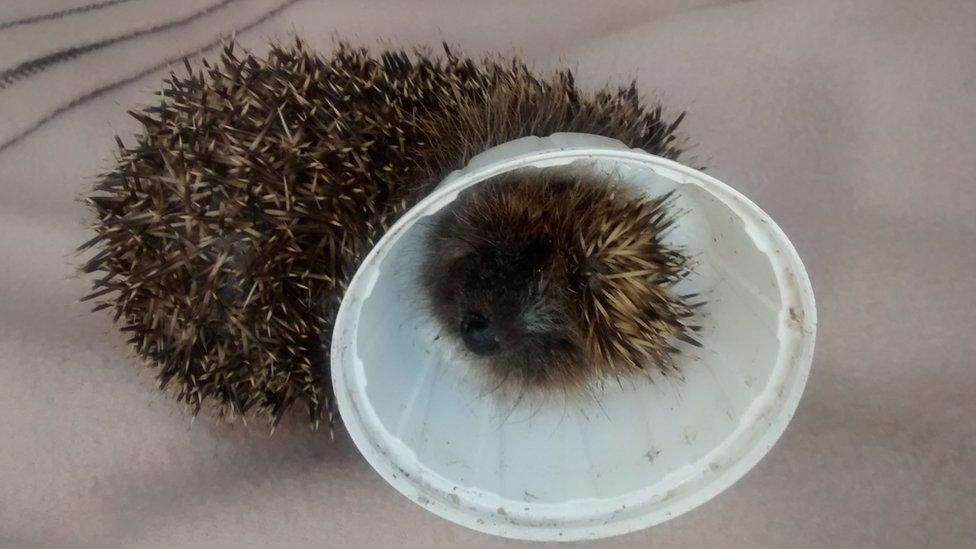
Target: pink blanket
852	123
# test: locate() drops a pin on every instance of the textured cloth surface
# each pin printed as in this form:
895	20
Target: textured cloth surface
851	123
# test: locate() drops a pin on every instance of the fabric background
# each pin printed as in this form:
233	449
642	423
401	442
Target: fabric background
851	123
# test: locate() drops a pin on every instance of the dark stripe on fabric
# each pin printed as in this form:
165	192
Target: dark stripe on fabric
145	72
60	14
36	65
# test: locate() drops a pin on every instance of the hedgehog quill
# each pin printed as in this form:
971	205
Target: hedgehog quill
227	232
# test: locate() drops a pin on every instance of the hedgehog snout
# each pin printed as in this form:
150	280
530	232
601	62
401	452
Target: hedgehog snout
478	334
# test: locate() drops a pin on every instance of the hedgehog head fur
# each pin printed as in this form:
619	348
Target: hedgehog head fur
229	227
553	279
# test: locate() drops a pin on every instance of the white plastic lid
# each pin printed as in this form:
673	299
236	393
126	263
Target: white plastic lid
634	456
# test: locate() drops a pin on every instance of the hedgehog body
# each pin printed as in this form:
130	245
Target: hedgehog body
226	234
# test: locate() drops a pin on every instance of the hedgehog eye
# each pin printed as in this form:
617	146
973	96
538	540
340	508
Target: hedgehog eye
536	254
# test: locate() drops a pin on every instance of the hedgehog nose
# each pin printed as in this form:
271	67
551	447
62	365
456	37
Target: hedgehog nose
477	334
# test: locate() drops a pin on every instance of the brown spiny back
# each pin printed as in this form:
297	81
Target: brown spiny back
229	227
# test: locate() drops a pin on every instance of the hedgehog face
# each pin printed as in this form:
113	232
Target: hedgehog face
497	286
497	297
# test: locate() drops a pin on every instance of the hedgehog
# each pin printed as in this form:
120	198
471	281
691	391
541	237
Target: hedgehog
553	280
228	230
